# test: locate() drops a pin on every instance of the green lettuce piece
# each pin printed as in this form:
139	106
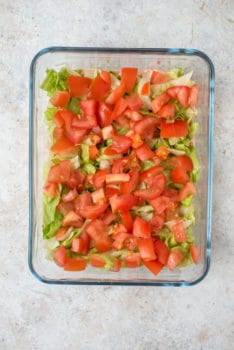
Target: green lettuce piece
109	142
187	201
175	73
51	125
50	112
89	168
157	142
180	111
74	233
146	112
192	130
146	212
194	175
50	229
49	208
85	152
120	129
109	263
73	105
147	164
55	81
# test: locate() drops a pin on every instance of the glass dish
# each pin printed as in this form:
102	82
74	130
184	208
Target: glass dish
109	58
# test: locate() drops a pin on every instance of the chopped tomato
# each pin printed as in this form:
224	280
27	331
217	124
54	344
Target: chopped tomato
134	103
162	251
133	260
159	77
187	190
100	87
120	144
51	189
145	91
76	135
58	119
70	196
104	115
175	257
193	96
77	245
141	228
58	133
119	165
87	122
96	228
72	219
93	211
178	231
60	98
111	191
103	244
167	111
89	107
123	202
84	199
60	256
107	132
180	92
117	178
98	196
160	204
157	222
75	264
146	127
63	146
117	265
146	249
128	78
127	220
179	175
151	172
154	266
100	177
65	208
78	86
97	261
182	161
119	108
179	128
162	152
133	115
144	152
93	152
60	173
159	102
62	234
155	189
119	240
109	217
128	187
116	94
106	77
194	253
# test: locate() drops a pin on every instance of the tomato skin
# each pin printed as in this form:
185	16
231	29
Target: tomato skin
60	173
159	77
104	115
134	103
133	260
99	88
162	251
154	266
60	256
60	98
127	220
93	211
128	77
77	245
194	253
58	119
120	144
146	127
179	175
175	257
119	108
144	152
141	228
167	111
97	261
116	94
111	191
193	96
122	202
78	86
186	191
159	102
179	128
181	161
146	249
75	264
89	107
181	93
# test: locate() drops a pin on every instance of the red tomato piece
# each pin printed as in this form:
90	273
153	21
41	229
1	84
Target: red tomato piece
179	128
193	96
89	107
78	86
117	265
145	91
76	180
179	175
51	189
103	244
97	261
76	135
116	94
58	133
127	220
119	108
159	77
157	222
186	191
167	111
133	260
134	103
160	204
111	191
141	228
117	178
146	127
194	253
60	173
75	264
104	115
60	256
72	219
96	228
109	218
60	98
175	257
119	165
62	234
93	152
77	245
93	211
86	242
88	122
120	144
63	146
58	119
98	196
144	152
99	88
123	202
119	240
173	91
100	177
128	78
146	249
183	95
128	187
162	251
178	231
106	77
65	208
70	196
182	161
154	266
155	190
162	152
151	172
108	132
159	102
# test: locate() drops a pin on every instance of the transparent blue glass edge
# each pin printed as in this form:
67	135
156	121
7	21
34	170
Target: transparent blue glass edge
173	51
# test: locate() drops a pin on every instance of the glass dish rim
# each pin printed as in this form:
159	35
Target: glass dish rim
170	51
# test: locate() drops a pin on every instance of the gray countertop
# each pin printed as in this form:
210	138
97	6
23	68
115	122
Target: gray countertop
38	316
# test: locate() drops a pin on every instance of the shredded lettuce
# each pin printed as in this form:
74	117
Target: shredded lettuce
85	152
146	212
147	164
50	112
89	168
187	201
50	229
175	73
49	208
73	105
194	175
120	129
55	81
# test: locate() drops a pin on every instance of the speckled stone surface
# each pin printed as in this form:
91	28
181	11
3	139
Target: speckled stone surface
38	316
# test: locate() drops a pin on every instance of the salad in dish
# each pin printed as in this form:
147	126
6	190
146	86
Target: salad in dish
120	180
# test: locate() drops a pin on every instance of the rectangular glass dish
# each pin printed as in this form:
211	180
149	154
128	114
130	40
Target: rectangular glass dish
113	59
